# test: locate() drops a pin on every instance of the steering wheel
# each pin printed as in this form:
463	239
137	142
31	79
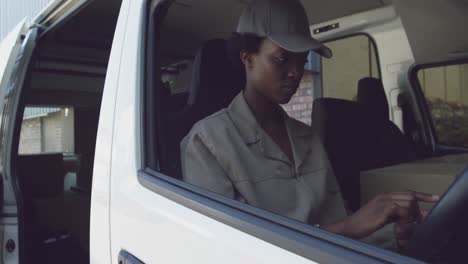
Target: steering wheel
445	227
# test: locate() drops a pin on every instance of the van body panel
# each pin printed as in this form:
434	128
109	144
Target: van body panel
9	50
395	57
354	23
20	43
100	236
440	38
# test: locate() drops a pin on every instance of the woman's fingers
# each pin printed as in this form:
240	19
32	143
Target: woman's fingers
412	195
425	197
404	231
404	214
413	212
402	208
405	203
409	201
424	215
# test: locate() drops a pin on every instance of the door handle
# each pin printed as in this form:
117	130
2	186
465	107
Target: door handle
127	258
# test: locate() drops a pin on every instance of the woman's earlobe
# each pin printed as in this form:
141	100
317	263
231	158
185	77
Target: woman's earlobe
243	57
246	59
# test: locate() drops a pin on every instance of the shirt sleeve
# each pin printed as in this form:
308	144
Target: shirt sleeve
201	168
335	212
333	209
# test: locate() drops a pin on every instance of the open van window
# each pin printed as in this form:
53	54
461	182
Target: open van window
446	93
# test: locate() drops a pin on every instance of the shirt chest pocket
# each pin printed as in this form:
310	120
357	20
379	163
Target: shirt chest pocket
278	192
264	170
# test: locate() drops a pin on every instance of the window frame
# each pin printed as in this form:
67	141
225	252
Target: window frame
373	44
418	96
302	239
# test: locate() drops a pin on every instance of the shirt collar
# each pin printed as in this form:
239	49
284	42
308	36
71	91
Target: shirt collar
300	135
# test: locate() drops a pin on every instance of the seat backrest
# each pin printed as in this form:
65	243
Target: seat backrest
341	125
214	85
41	175
359	136
214	81
394	147
357	140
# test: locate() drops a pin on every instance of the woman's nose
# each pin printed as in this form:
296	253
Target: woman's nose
295	71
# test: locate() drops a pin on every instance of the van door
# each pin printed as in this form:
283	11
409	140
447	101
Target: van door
15	53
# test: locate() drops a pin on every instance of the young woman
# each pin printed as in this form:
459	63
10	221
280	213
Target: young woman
254	152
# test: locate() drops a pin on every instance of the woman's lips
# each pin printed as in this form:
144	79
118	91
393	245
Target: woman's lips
290	87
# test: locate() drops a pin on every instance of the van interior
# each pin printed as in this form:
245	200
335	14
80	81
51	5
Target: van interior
67	73
56	134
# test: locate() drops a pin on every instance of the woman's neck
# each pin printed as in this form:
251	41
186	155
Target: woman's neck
266	112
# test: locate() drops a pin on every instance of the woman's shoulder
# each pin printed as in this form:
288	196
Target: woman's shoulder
299	127
211	123
303	130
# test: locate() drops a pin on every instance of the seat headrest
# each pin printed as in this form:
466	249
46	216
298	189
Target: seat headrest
371	94
214	81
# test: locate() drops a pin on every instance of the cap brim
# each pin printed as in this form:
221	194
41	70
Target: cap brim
295	43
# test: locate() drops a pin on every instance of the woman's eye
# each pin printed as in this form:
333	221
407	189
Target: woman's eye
280	59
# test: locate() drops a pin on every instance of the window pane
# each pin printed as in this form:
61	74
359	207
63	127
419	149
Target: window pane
446	91
353	59
47	129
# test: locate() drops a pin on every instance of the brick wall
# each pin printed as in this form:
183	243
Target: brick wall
51	133
30	137
300	106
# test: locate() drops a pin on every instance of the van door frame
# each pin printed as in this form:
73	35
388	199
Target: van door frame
420	99
12	203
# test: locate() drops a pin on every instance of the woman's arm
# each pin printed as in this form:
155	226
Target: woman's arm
201	168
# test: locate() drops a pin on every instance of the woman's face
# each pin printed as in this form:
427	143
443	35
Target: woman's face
274	72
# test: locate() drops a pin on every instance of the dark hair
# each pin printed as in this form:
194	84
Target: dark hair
237	43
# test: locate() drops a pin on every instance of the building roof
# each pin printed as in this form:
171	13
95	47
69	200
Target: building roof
34	112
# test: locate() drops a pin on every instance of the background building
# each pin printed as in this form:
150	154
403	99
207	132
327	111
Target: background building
44	129
13	11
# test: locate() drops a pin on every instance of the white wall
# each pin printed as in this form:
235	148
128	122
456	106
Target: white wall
12	11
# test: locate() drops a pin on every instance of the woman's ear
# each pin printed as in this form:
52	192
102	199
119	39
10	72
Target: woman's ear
246	59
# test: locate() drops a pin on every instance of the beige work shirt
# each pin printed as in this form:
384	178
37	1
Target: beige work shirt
230	154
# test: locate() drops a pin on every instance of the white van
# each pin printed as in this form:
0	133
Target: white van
97	94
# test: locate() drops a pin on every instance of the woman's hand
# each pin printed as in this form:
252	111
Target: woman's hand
404	231
400	208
